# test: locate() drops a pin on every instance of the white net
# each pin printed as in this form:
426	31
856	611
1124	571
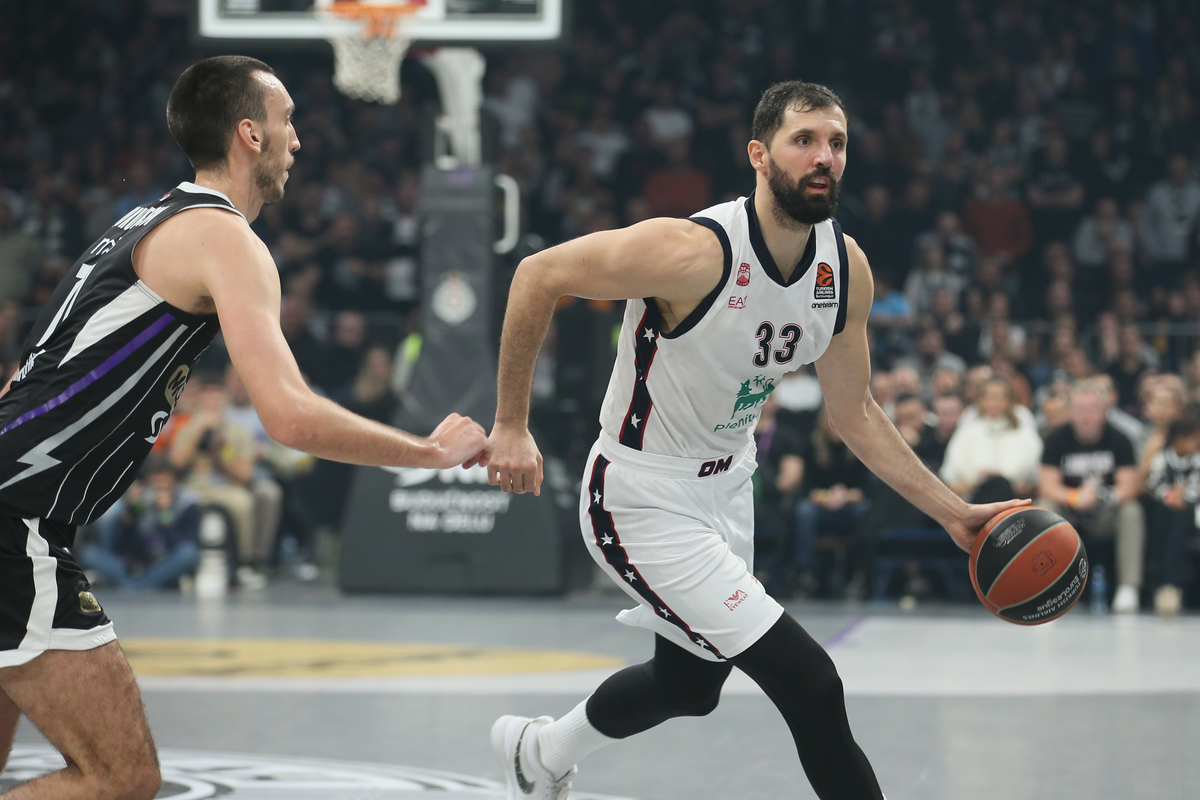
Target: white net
368	69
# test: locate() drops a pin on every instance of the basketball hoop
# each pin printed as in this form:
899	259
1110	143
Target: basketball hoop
367	56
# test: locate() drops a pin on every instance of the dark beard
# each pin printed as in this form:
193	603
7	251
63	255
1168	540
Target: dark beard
792	206
270	187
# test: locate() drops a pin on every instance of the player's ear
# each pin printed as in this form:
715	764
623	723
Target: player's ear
757	151
250	134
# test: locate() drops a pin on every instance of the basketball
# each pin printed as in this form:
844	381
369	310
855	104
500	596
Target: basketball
1028	565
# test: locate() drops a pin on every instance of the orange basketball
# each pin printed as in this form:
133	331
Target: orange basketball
1028	565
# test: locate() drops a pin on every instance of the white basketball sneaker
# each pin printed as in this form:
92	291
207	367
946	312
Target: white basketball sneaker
514	741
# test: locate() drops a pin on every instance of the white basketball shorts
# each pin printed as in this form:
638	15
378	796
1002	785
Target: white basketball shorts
677	534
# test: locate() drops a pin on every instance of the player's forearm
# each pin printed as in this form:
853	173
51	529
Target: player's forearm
526	320
874	439
323	428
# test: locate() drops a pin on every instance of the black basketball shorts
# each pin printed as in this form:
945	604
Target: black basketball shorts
46	603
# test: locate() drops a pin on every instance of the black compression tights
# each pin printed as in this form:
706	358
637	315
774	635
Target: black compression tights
793	670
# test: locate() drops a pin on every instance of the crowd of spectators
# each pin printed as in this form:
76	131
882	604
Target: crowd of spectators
1024	177
1128	482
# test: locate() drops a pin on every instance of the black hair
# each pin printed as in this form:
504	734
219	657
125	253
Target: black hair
1186	424
797	95
209	100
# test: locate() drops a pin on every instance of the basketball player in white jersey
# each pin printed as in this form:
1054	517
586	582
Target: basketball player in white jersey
719	308
105	364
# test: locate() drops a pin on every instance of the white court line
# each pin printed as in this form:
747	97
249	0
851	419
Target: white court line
881	656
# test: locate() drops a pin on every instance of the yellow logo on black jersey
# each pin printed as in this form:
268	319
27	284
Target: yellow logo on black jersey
88	603
175	385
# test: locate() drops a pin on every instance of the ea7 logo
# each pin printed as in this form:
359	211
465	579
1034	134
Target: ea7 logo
737	302
735	599
715	467
823	286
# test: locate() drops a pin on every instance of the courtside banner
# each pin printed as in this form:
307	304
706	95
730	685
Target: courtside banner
447	530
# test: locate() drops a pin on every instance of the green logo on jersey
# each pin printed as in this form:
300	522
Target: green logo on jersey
753	397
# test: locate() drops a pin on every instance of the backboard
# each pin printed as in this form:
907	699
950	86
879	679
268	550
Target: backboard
437	22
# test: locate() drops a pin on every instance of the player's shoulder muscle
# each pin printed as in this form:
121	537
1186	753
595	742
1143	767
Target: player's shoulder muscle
657	257
687	241
211	231
209	241
194	238
689	257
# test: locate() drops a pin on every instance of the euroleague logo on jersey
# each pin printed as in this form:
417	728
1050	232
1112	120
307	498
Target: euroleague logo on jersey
823	287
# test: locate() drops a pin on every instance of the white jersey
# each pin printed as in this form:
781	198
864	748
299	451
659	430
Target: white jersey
696	392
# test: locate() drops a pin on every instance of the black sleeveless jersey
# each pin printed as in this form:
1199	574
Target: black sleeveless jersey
99	376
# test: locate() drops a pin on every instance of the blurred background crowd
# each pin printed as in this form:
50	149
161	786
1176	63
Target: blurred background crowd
1024	177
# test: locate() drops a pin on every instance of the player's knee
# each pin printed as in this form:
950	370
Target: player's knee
145	784
698	699
794	664
819	679
698	704
827	685
134	776
134	782
691	693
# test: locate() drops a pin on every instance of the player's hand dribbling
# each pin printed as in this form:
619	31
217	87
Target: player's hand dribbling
515	464
462	441
964	530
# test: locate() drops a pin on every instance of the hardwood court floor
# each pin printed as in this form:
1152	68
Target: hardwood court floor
301	692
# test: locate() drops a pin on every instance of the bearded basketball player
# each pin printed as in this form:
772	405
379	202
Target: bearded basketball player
720	307
101	372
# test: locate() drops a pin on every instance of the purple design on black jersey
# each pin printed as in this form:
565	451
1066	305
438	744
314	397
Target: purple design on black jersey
94	375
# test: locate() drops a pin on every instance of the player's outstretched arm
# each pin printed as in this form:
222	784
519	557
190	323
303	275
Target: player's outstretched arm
674	260
237	271
845	374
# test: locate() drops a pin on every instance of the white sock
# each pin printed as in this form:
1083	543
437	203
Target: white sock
562	743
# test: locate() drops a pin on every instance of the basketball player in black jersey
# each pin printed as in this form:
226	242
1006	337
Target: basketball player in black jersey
101	372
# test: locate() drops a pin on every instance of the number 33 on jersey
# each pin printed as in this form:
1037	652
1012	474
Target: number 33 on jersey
696	391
